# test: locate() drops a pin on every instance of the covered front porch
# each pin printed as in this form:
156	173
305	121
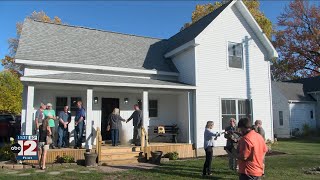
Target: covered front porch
168	105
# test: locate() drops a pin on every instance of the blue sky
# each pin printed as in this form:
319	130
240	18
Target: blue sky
148	18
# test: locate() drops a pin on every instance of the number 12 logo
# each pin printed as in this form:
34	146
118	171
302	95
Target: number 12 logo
28	148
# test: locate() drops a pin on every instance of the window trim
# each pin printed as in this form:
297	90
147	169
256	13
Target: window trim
237	109
243	62
153	108
138	99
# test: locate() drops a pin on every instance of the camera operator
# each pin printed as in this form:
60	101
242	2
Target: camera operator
232	138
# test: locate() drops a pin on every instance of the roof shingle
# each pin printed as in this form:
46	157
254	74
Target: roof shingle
292	91
77	45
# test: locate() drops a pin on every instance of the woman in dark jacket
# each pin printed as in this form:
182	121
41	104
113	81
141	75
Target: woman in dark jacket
114	124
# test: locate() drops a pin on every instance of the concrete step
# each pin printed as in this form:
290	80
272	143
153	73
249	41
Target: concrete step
119	156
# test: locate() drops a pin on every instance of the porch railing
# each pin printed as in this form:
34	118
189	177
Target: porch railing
144	139
98	144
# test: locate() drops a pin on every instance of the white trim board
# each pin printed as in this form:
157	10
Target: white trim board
98	83
94	67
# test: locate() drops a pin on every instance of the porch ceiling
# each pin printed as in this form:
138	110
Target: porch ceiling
106	80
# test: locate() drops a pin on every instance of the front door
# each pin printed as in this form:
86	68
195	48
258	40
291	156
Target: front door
107	106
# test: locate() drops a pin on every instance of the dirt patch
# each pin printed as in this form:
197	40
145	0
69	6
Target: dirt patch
314	171
275	153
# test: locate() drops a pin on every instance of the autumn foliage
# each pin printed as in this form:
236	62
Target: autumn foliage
253	6
8	61
298	41
11	93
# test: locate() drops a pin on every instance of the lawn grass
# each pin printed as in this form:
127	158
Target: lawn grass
299	154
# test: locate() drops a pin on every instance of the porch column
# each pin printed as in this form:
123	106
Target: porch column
190	116
145	110
89	119
29	111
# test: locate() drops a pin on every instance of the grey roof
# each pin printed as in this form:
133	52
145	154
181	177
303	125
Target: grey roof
70	44
41	41
108	78
195	29
311	84
292	91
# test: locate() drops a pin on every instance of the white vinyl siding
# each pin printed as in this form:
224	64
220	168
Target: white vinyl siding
216	81
185	63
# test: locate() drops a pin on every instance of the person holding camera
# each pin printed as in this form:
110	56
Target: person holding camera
231	146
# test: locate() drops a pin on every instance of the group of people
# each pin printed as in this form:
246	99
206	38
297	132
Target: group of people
45	128
245	146
114	123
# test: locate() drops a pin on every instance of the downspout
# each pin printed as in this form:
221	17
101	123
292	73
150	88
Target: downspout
249	89
271	106
290	129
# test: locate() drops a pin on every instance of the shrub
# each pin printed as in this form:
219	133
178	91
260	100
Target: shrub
6	153
306	130
65	159
296	132
172	155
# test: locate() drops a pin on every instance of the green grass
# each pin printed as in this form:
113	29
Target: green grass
300	154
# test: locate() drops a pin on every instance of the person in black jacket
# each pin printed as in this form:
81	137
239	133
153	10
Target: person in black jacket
114	124
137	124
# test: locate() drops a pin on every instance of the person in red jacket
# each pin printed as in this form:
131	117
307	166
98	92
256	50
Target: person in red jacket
252	150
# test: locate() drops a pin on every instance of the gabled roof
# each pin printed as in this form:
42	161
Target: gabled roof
292	91
194	30
311	84
78	45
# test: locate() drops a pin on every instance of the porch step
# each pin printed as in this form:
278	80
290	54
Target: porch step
110	150
120	162
120	156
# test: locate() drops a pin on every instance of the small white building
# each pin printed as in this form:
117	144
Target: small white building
295	103
216	69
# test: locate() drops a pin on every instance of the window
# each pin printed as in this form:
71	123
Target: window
244	109
73	103
311	114
60	103
229	110
153	107
235	55
140	104
281	118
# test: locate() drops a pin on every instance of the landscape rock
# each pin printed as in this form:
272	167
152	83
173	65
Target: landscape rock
18	166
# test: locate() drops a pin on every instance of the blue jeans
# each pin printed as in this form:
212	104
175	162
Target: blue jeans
114	136
62	132
78	133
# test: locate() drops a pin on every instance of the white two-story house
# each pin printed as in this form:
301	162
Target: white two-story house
216	69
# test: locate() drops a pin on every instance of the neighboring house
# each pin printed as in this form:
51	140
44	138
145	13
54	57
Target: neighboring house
216	69
293	107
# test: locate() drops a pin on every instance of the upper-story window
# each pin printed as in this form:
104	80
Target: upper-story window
235	56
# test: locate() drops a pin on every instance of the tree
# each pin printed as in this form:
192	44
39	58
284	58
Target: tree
9	61
10	93
252	5
298	41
